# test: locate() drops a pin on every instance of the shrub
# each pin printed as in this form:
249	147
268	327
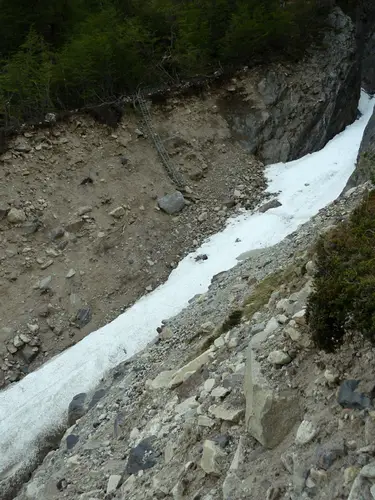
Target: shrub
343	300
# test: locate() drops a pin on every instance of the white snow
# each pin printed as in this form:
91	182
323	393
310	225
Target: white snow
39	402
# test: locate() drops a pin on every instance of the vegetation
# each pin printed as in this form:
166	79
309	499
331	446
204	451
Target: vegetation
70	53
344	296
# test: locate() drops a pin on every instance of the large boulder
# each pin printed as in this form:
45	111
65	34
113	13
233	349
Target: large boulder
270	414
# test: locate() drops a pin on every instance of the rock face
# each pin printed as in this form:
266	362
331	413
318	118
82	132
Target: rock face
365	168
263	115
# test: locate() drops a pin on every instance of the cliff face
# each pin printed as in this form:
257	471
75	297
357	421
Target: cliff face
294	110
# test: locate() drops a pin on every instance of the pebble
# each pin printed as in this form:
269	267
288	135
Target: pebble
305	433
118	212
113	483
70	273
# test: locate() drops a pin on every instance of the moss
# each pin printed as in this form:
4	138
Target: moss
264	289
343	300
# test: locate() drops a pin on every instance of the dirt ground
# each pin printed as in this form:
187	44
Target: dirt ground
62	253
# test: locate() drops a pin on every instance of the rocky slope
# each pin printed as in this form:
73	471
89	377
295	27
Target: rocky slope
81	233
226	404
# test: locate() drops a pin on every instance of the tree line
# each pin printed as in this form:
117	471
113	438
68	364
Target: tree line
63	54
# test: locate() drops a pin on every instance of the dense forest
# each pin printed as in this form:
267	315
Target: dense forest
59	54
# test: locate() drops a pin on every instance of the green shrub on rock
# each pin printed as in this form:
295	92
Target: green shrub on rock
343	300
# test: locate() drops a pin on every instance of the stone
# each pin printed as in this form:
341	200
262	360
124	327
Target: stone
223	413
348	397
185	406
209	384
128	485
350	473
141	457
46	264
331	377
77	408
219	342
360	489
279	358
220	392
84	210
3	211
300	317
162	380
56	233
17	342
310	268
26	338
118	212
83	317
70	273
293	334
210	456
113	483
22	146
270	414
271	326
29	353
205	421
33	328
368	471
172	203
74	226
71	441
305	433
16	216
12	349
191	368
44	284
270	204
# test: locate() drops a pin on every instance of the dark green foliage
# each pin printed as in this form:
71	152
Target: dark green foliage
66	53
344	297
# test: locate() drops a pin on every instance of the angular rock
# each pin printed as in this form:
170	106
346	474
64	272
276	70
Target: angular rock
142	457
220	392
74	226
348	397
29	353
118	212
185	406
57	232
224	413
270	204
16	216
279	358
113	483
204	421
210	456
77	408
190	368
270	414
172	203
44	284
83	317
306	432
162	380
71	441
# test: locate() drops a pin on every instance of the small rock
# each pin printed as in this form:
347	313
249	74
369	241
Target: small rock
44	284
70	273
46	264
57	232
83	317
172	203
310	268
16	216
26	338
350	473
75	226
279	358
84	210
331	377
162	380
118	212
33	328
210	456
142	457
209	384
205	421
270	204
29	353
348	397
228	414
300	317
17	342
368	471
305	433
76	408
220	392
113	483
71	441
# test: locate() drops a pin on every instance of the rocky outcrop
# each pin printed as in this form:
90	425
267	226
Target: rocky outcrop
365	167
290	111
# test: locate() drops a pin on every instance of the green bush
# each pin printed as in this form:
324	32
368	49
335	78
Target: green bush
343	300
